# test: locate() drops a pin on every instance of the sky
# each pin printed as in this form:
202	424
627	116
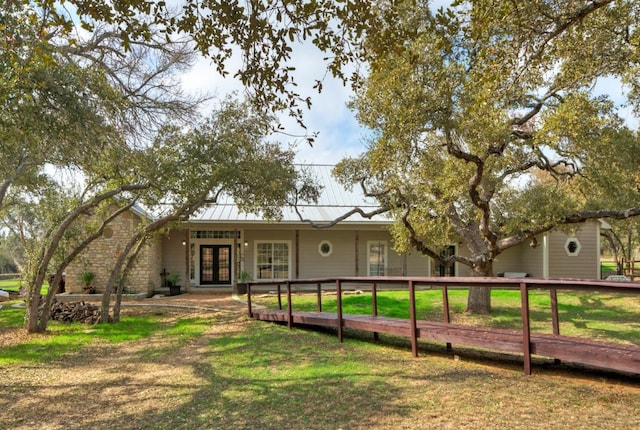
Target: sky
339	134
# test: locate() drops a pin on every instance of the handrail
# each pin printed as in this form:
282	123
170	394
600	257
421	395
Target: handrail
523	284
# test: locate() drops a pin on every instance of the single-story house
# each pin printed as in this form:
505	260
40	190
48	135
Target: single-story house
220	242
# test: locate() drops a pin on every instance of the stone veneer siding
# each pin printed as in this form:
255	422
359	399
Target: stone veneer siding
100	257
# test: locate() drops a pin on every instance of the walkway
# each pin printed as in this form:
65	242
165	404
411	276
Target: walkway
606	355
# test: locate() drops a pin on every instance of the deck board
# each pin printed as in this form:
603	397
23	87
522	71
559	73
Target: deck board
605	355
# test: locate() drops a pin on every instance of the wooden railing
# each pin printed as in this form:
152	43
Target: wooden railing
524	285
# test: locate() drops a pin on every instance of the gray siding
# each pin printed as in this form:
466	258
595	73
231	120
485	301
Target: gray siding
586	264
349	252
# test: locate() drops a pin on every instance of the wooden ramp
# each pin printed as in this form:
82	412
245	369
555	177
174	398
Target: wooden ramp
604	355
589	352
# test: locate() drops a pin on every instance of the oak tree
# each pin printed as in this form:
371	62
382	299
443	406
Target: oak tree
486	126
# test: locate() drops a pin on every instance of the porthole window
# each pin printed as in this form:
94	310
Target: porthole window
325	248
107	233
572	246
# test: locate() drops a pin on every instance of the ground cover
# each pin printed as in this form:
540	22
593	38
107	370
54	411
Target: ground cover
211	367
12	285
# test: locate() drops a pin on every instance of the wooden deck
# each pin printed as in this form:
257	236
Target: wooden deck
605	355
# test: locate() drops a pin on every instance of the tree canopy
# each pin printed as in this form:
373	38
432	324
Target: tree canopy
487	126
93	121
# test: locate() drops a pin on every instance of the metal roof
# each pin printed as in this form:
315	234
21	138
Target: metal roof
334	201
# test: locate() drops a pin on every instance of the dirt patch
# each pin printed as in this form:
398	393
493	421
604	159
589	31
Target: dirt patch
115	385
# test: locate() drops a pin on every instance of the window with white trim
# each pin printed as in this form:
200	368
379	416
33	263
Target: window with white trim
572	246
376	258
325	248
273	259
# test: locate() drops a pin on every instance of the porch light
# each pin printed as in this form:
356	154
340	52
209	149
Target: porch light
184	243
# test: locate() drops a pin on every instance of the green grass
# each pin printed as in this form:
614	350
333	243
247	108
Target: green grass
68	338
611	317
168	370
10	285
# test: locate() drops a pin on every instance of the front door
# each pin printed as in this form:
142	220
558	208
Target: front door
215	264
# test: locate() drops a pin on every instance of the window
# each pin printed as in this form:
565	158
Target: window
215	234
450	270
272	259
377	258
572	246
325	248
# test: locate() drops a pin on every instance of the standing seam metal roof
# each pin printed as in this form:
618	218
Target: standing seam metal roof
333	202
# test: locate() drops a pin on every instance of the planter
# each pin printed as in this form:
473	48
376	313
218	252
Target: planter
174	290
240	289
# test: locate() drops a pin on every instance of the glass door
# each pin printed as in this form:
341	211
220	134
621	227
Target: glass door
215	264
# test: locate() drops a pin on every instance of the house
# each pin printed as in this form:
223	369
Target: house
219	242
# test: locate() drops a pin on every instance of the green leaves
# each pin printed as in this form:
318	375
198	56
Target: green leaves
486	126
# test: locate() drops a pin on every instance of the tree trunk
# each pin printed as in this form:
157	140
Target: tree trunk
479	299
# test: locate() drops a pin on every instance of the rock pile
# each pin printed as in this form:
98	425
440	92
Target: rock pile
75	311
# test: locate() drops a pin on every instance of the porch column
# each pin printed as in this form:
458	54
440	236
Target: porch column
187	266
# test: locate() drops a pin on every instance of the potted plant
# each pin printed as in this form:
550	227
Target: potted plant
87	280
172	282
243	278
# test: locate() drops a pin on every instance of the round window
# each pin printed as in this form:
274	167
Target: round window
325	248
572	246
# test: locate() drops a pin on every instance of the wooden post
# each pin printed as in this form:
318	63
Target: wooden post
412	311
526	332
555	320
445	310
339	296
374	305
289	307
319	297
279	298
554	311
249	300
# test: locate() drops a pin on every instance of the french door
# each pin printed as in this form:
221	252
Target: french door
215	264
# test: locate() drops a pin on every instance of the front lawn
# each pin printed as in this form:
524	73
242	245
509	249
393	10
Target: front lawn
182	369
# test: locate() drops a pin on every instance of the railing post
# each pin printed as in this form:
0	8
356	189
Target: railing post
526	332
319	297
249	300
279	298
412	312
445	304
289	306
554	311
374	305
555	320
445	310
339	296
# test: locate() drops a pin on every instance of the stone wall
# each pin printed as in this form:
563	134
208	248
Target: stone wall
101	255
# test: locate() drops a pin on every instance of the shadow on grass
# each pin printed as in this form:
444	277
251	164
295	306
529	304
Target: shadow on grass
258	376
